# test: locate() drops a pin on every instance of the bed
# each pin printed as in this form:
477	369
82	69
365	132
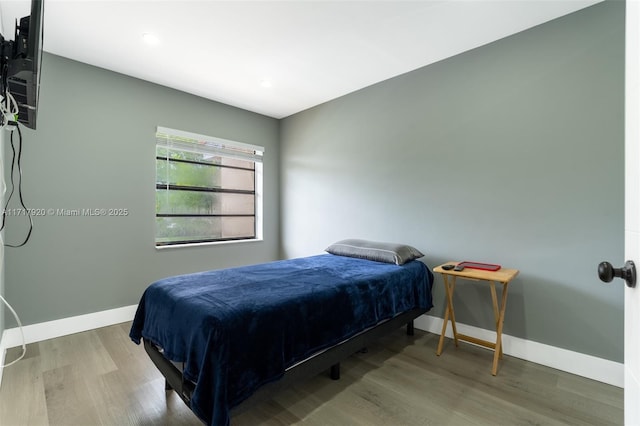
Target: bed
222	336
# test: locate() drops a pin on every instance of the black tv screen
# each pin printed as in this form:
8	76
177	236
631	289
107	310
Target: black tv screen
24	62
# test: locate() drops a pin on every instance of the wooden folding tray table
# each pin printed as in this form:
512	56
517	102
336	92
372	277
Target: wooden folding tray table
502	276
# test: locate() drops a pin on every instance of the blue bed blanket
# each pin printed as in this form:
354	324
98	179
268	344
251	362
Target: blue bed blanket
239	328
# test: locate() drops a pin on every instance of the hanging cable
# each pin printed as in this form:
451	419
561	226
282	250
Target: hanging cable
15	315
3	189
26	210
24	207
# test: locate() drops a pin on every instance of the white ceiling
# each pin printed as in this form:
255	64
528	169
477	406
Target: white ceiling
309	51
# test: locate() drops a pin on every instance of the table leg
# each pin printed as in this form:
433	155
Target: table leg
452	313
448	313
503	307
496	310
444	329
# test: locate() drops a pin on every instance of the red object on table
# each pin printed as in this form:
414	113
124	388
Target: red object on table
480	265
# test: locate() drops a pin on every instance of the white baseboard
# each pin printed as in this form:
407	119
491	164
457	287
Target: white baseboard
599	369
65	326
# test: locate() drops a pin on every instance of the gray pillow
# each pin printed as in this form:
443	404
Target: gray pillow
373	250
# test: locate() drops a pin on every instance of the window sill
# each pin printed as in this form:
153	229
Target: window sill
212	243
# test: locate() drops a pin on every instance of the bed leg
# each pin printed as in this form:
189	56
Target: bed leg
410	329
335	371
167	386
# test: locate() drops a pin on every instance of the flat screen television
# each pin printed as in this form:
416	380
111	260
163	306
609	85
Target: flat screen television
23	60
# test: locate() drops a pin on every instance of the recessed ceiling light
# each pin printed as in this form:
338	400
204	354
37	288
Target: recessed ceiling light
150	39
266	83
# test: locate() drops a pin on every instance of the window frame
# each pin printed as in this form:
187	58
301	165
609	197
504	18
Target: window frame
180	140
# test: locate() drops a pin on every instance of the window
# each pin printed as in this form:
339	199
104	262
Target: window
207	189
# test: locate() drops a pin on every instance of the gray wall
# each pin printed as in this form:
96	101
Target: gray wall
511	153
95	148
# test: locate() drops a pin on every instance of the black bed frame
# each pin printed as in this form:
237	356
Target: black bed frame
328	360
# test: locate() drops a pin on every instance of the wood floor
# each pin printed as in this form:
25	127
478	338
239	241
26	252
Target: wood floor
101	378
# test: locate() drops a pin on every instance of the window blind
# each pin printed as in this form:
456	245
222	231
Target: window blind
207	188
